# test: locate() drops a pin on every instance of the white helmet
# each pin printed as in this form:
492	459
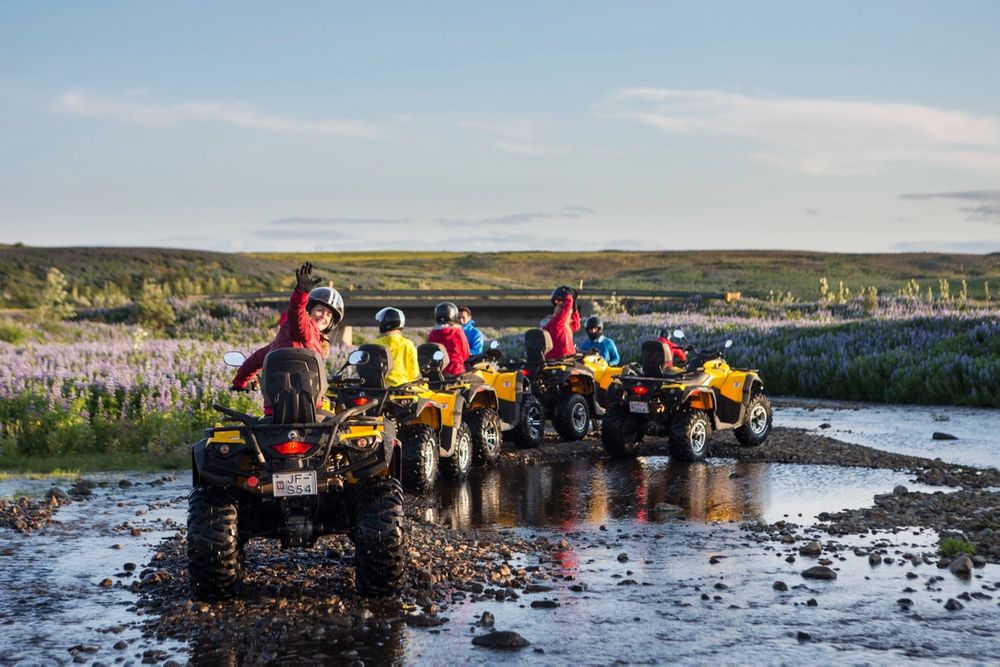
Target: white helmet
390	318
330	298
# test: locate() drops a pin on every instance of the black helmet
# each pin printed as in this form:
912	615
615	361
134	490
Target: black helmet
594	322
446	311
560	293
330	298
389	319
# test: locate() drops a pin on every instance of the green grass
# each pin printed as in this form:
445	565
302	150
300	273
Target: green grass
72	465
755	273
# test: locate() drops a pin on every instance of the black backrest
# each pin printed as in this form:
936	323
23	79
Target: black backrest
655	356
293	380
537	342
430	369
379	364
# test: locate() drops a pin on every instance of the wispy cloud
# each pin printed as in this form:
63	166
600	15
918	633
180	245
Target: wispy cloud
817	136
131	107
567	212
984	204
514	136
336	222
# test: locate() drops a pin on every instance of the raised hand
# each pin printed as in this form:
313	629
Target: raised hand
304	279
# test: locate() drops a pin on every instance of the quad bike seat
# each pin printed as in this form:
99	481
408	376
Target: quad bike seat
656	359
537	343
379	364
430	367
292	380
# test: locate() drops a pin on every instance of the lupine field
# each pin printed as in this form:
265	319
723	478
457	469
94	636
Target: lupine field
87	387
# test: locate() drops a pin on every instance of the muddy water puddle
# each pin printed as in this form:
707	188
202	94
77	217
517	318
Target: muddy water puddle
657	588
657	571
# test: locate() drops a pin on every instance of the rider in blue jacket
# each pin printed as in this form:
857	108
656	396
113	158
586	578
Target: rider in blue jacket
596	340
474	335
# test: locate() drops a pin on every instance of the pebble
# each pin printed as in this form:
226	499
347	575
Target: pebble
821	572
504	639
780	586
953	605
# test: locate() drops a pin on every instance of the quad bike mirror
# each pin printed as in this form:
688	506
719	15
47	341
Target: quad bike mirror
234	359
678	334
357	357
729	343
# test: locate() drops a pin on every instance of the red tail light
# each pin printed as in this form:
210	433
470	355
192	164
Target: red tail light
252	481
292	447
525	372
639	390
361	400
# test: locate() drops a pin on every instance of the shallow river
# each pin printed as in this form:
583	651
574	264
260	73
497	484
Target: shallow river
680	608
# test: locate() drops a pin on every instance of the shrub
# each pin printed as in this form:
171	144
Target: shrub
953	546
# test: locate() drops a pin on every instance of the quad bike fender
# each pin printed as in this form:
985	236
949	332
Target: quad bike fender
214	468
449	431
481	396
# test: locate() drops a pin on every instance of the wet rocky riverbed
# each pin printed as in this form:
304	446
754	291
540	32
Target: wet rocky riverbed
778	551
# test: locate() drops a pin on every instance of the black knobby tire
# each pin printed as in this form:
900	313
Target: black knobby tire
487	436
419	455
688	435
572	418
530	429
756	425
458	465
621	432
378	536
213	547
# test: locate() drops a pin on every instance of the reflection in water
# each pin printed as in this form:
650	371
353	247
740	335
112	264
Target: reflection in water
582	494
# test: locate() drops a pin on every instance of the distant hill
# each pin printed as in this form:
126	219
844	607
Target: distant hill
754	273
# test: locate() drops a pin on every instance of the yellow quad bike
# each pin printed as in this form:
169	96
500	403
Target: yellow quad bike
522	417
687	404
295	475
484	401
573	390
430	423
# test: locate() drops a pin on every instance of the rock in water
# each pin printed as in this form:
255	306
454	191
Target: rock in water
900	490
938	435
961	566
780	586
503	639
811	549
953	605
874	559
819	572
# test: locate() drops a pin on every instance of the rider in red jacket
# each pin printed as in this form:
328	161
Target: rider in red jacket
679	355
312	314
563	322
450	334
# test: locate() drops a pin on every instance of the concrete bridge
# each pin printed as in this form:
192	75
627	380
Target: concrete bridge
491	308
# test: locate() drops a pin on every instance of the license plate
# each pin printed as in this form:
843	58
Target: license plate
291	484
638	406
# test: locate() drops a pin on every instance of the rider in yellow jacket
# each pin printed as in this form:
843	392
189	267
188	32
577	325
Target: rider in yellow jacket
404	353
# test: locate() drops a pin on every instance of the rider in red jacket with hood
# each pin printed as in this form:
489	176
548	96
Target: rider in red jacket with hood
312	314
451	335
563	322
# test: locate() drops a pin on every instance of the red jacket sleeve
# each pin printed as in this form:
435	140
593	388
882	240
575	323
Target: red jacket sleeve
300	325
250	367
564	314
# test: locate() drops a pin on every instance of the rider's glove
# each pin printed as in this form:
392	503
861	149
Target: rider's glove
242	390
304	280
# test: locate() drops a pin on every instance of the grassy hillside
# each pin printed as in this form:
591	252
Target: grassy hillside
755	273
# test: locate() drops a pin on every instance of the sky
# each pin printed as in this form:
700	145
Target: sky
257	126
